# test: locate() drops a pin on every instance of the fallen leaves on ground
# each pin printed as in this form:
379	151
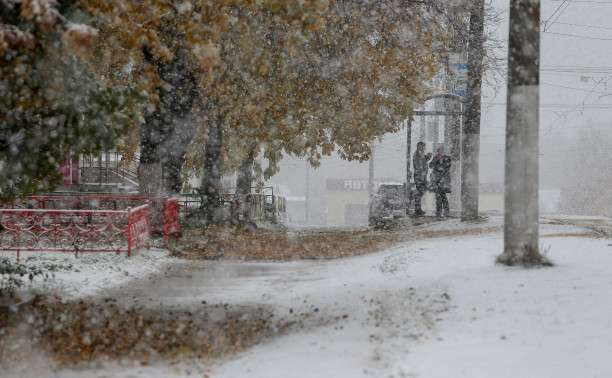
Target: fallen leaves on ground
79	332
224	242
229	244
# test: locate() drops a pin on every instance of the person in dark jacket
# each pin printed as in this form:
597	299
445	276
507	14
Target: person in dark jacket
419	163
441	180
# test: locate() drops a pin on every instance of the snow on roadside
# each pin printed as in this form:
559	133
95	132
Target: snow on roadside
513	322
550	224
442	308
72	277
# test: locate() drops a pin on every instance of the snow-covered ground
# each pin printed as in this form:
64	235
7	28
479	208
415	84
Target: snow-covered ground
435	307
72	277
442	308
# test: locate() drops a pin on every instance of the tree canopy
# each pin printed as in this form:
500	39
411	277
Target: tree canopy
50	101
349	78
290	77
166	46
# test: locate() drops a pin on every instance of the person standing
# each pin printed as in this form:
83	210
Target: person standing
419	163
441	180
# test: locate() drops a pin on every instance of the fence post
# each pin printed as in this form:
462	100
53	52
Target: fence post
234	210
129	231
165	218
18	242
204	209
148	228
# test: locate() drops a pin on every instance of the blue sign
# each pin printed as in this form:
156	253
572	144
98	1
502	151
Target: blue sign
460	79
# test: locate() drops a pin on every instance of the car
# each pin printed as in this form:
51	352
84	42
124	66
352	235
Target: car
388	202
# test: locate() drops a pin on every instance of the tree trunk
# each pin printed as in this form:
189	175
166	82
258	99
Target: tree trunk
173	154
244	182
211	182
470	179
149	168
168	129
149	177
521	181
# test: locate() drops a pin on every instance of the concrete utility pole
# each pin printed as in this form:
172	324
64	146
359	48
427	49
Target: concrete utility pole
522	128
470	179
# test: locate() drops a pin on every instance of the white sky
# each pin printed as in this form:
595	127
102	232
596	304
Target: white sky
574	70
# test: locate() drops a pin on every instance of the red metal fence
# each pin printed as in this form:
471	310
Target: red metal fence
164	215
74	230
139	231
171	218
16	204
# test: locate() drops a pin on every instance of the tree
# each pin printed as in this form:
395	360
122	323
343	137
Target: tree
147	44
244	180
303	78
50	101
343	83
169	127
172	49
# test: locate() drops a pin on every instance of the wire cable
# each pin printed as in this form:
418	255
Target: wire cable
566	3
560	13
578	36
583	25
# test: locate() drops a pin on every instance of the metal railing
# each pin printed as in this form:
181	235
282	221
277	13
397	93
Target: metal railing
74	230
262	206
106	168
192	210
164	211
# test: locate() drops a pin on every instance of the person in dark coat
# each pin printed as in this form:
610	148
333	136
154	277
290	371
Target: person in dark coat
440	180
419	163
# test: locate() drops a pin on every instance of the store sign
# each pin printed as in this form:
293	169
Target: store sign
356	184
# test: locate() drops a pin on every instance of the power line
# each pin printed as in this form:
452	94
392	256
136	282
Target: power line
555	12
559	15
585	1
578	36
564	75
572	69
576	89
572	65
577	106
583	25
565	114
569	69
